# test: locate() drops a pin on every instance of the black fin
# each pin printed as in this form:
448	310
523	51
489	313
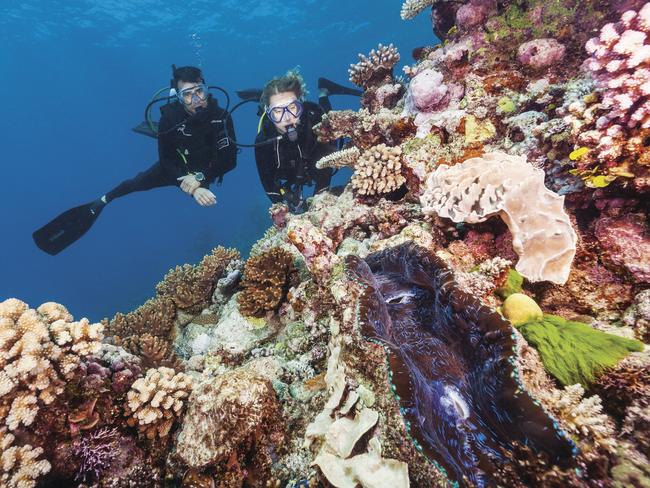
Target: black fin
336	89
144	129
250	94
68	227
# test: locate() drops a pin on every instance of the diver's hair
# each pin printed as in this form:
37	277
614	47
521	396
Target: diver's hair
292	81
188	74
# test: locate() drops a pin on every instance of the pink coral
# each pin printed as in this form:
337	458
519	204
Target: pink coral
427	90
620	60
540	53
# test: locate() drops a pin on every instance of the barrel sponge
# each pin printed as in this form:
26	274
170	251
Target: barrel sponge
506	185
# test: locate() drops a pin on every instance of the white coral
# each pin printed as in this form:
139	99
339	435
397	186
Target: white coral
506	185
157	400
411	8
39	351
19	465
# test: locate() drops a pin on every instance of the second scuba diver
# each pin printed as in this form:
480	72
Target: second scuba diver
289	163
195	148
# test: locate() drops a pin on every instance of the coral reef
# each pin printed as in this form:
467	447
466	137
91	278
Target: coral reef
233	422
157	400
378	171
20	466
543	236
505	172
39	353
267	279
449	393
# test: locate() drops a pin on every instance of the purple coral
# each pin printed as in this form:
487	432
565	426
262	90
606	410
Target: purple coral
96	453
620	60
427	90
540	53
474	13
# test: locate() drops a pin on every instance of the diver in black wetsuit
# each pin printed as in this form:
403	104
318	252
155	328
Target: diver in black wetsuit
289	163
195	148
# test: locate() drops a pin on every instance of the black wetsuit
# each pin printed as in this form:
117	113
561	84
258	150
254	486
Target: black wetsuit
186	144
284	163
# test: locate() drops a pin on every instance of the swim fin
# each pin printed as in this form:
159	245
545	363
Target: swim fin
250	94
68	227
145	129
336	89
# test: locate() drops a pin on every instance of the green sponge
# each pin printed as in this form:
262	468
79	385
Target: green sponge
573	352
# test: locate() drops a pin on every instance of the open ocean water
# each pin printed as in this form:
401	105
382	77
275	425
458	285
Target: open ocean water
77	76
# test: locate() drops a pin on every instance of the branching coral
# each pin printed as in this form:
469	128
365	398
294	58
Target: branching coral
157	400
376	68
153	351
234	418
39	352
155	316
95	452
191	286
498	183
378	171
580	416
340	159
19	466
621	386
614	132
411	8
267	279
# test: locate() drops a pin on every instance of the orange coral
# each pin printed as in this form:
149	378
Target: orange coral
267	279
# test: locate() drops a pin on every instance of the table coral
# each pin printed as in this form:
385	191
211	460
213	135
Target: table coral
39	353
498	183
156	401
267	279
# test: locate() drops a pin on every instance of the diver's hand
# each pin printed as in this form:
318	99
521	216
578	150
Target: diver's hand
189	184
204	197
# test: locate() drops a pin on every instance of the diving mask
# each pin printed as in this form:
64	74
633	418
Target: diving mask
276	113
193	94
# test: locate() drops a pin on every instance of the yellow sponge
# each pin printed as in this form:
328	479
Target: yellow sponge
520	309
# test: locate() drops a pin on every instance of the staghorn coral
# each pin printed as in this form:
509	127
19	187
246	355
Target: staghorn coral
233	419
267	279
498	183
581	417
191	287
39	353
376	68
156	316
378	171
157	400
340	159
19	466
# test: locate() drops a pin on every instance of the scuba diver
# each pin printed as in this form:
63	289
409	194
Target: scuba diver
289	163
196	146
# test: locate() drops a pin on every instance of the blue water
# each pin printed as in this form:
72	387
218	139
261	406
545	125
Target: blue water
76	77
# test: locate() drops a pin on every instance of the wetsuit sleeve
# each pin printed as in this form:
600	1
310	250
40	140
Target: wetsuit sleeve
323	177
167	155
225	153
266	170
